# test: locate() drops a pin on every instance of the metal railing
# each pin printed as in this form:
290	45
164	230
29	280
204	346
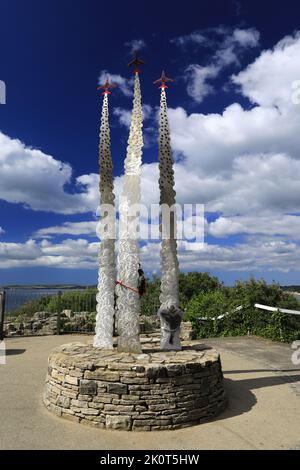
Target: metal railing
2	313
37	312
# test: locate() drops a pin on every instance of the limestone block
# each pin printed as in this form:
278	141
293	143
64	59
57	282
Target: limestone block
118	422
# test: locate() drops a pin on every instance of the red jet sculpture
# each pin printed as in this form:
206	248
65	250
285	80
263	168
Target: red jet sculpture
136	62
163	80
106	86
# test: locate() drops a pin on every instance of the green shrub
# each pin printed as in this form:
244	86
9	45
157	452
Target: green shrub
194	283
249	320
207	305
201	295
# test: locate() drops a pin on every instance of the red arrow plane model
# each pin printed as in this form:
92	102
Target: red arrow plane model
107	85
163	80
135	62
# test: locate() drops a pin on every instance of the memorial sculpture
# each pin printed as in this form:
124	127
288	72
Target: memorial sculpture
124	387
127	294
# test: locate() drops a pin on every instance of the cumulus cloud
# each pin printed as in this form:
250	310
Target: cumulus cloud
37	180
135	45
273	224
268	80
228	45
197	80
245	160
222	36
68	228
125	85
259	254
2	230
69	254
124	116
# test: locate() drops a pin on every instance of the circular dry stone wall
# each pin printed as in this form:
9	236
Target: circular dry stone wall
135	392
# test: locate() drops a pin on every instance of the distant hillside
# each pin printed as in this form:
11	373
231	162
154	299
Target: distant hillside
291	288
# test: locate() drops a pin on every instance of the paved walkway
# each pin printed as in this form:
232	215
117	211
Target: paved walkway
262	383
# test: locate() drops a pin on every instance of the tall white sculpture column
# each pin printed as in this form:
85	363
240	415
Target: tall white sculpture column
106	229
128	301
169	312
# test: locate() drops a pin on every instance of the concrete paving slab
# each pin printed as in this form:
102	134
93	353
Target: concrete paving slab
261	381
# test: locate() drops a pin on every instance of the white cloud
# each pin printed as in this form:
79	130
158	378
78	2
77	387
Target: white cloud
268	80
135	45
37	180
246	37
273	224
124	116
197	78
221	37
2	231
125	85
195	37
68	228
245	160
255	256
259	254
69	254
228	45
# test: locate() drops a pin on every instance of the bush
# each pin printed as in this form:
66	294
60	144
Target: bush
207	305
194	283
190	284
275	326
28	309
201	295
78	301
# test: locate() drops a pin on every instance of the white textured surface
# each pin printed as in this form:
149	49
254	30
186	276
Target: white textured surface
107	266
128	302
169	295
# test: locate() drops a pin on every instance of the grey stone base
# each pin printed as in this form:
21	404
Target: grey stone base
135	392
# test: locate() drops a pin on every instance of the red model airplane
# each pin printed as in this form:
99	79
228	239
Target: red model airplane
163	80
107	85
135	62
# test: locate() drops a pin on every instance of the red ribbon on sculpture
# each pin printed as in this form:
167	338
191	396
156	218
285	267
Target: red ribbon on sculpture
127	287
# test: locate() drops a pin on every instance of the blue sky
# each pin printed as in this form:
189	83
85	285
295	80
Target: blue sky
235	130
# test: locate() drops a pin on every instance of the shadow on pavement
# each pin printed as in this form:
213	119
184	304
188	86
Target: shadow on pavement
241	397
262	382
14	352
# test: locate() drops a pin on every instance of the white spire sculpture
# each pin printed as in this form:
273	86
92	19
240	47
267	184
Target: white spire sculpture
169	312
106	228
128	300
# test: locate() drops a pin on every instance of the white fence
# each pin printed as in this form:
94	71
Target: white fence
259	306
221	316
277	309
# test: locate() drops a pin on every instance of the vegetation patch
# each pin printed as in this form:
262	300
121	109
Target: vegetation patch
203	297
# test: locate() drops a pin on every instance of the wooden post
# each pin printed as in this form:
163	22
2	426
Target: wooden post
2	313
